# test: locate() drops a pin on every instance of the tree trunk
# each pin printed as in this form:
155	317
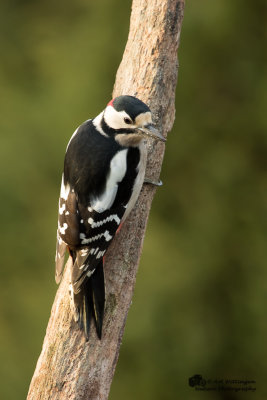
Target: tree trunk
69	367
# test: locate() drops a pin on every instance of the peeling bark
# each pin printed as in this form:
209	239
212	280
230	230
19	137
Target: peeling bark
68	366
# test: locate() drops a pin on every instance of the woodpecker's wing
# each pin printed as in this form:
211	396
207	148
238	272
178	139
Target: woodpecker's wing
68	226
87	233
96	233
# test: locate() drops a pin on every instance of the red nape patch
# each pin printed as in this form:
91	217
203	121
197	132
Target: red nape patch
111	102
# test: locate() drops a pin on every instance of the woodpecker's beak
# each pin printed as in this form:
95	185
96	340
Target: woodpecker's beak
152	132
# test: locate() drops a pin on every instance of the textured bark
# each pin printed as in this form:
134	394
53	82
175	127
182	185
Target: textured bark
69	367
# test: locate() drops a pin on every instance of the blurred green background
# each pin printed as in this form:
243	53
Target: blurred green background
201	294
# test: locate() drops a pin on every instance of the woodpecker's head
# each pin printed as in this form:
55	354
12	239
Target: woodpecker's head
129	120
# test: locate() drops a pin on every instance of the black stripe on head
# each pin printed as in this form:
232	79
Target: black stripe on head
131	105
111	131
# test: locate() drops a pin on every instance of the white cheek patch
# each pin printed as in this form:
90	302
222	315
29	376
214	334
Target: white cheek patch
97	124
115	119
143	119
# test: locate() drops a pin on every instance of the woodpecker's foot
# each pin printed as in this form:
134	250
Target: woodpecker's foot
152	182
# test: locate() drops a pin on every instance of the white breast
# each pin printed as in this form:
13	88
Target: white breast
139	180
118	166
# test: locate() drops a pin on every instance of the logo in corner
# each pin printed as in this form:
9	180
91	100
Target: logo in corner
196	380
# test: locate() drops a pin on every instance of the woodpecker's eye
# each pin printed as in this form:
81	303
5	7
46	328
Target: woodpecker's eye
127	120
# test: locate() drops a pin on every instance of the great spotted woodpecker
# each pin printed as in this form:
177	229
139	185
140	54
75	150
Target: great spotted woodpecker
104	169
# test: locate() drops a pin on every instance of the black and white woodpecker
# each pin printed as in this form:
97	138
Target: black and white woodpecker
104	169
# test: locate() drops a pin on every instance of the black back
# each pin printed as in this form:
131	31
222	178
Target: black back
87	161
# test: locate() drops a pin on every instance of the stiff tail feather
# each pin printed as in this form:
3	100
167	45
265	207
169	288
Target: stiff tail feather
90	302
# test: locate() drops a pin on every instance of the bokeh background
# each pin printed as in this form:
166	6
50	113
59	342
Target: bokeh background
201	294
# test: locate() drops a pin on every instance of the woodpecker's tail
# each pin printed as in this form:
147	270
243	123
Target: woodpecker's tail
90	302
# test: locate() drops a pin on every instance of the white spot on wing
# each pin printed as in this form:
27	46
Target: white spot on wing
62	209
64	191
108	237
106	234
104	221
100	254
60	241
90	273
84	252
63	228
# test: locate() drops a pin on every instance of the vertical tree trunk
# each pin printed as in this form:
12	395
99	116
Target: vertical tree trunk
69	367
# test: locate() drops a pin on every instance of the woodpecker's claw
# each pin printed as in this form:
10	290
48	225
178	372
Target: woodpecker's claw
155	183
